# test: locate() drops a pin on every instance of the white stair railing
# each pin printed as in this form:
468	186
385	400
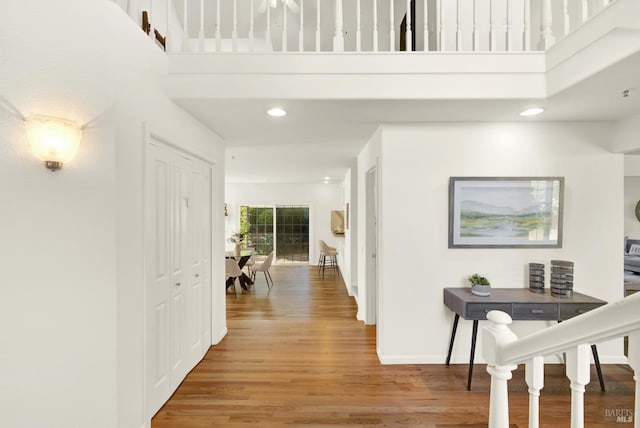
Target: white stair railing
503	351
362	25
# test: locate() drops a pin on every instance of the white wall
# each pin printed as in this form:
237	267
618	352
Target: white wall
367	159
71	252
349	266
415	261
626	135
321	198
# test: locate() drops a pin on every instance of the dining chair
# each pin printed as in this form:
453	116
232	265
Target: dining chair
264	267
232	270
252	260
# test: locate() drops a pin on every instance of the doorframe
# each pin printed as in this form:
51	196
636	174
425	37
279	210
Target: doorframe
371	246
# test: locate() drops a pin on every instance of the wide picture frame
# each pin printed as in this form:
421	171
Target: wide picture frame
505	212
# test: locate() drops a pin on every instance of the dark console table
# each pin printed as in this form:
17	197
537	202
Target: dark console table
520	304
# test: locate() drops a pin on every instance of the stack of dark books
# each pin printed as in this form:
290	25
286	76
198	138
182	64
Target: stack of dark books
536	277
561	278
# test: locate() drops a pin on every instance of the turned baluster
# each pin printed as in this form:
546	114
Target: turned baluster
578	372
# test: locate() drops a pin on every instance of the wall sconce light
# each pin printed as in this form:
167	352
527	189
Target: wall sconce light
54	141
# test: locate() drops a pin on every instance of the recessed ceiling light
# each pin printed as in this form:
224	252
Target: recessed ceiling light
327	178
326	181
532	111
276	112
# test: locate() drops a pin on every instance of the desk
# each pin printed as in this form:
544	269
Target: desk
245	281
520	304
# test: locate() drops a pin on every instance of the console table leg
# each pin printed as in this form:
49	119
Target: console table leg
453	337
596	360
474	335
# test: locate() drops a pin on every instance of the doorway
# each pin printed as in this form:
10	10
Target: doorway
283	229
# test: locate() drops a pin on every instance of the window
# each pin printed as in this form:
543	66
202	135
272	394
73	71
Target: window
290	242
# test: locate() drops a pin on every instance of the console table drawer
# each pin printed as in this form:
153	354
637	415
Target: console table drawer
535	311
479	311
570	310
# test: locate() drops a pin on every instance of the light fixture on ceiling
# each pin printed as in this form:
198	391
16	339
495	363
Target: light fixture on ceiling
327	178
276	112
54	141
533	111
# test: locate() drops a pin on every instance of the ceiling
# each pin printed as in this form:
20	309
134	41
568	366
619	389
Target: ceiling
320	138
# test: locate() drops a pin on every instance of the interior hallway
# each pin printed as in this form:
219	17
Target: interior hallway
295	355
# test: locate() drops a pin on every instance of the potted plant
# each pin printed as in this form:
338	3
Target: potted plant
480	285
237	238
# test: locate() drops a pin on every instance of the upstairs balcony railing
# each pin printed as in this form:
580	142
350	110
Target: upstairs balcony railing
503	351
216	26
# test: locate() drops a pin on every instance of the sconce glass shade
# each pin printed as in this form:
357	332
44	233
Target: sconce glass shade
54	141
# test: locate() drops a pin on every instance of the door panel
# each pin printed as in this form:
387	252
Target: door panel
180	166
158	278
195	227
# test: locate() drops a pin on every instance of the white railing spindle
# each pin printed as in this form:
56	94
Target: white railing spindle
338	38
458	26
476	30
251	34
218	35
585	11
318	26
492	28
267	32
301	32
358	30
234	31
508	35
565	14
578	365
534	374
375	25
201	32
392	31
546	34
425	18
169	34
185	32
284	27
408	35
526	26
497	334
441	33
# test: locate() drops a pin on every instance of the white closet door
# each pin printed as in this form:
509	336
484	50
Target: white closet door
178	268
180	225
195	230
158	278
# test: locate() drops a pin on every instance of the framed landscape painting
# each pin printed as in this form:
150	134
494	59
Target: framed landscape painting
505	212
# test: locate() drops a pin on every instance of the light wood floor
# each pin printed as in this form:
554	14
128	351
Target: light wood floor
296	356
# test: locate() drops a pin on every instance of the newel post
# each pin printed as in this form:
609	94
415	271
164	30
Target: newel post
496	336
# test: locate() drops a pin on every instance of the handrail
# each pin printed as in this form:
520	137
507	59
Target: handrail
601	324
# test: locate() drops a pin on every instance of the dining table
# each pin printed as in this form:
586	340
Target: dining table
242	259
